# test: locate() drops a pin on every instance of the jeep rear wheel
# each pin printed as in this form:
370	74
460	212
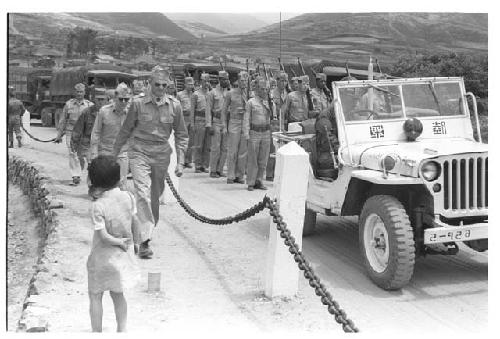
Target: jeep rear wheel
386	242
309	222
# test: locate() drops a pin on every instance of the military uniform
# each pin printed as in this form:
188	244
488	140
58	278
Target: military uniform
184	98
295	108
218	149
278	96
71	112
198	121
15	110
233	110
82	131
257	130
148	125
320	100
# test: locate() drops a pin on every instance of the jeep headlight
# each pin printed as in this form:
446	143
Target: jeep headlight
430	170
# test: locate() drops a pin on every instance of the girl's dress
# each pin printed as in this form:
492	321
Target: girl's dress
109	267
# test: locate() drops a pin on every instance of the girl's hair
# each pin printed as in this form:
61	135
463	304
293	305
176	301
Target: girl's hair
104	172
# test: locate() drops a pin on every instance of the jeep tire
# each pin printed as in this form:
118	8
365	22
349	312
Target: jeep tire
386	242
309	222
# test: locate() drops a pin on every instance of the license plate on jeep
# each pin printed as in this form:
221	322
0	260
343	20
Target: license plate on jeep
458	233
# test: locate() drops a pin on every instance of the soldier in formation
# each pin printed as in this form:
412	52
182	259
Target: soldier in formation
217	126
198	123
71	112
184	98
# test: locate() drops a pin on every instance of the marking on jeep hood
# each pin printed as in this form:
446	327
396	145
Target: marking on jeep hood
439	127
377	131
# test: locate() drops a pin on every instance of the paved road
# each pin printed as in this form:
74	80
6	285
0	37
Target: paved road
447	293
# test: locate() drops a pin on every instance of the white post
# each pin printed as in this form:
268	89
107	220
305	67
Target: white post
167	195
290	185
25	121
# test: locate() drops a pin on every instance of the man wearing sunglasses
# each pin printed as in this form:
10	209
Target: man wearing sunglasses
108	123
149	122
217	126
198	121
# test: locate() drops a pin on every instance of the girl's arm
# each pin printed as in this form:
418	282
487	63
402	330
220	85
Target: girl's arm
108	239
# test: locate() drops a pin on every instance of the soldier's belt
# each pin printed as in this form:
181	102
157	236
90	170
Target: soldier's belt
186	113
150	142
260	128
200	113
216	114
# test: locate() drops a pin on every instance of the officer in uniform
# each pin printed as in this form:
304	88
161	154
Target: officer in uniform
71	112
320	100
296	107
184	97
148	124
234	106
217	126
198	113
15	111
108	123
257	130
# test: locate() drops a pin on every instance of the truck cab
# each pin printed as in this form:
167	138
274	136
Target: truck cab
405	161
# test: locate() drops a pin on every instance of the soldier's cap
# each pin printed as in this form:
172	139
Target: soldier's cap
205	76
160	73
122	91
243	75
348	78
223	75
100	93
321	76
261	82
304	78
188	80
80	87
282	75
295	79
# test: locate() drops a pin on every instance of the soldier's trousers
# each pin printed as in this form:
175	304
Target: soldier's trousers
76	161
187	157
149	182
14	127
258	153
218	149
200	154
237	150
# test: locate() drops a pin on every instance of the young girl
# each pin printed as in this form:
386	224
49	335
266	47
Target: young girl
111	264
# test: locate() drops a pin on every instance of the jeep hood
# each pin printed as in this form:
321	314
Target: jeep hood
370	156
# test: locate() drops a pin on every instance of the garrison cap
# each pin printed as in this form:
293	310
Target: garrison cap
282	75
243	75
223	74
100	93
205	76
188	80
122	91
321	76
295	79
304	78
160	73
80	87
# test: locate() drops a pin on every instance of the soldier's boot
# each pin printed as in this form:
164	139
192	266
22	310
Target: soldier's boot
19	143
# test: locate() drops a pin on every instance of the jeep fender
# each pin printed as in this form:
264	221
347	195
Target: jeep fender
377	177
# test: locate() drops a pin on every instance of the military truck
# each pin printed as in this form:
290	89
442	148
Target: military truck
98	76
31	86
404	159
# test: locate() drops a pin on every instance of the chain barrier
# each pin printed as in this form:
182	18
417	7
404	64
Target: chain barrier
35	138
320	290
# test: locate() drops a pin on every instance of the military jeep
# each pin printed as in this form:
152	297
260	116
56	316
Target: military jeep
405	160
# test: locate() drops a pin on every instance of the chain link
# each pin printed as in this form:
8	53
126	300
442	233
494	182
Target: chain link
260	206
35	138
293	248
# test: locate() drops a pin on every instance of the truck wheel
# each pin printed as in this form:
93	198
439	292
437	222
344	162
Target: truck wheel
386	242
309	222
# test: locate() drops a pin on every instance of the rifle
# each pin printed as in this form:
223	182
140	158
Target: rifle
378	66
269	101
282	68
332	153
248	82
347	68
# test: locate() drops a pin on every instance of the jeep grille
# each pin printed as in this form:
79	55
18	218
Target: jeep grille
465	183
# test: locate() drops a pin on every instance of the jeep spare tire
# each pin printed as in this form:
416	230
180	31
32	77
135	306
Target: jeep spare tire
386	242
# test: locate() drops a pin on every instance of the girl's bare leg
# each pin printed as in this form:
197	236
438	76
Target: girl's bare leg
120	311
96	311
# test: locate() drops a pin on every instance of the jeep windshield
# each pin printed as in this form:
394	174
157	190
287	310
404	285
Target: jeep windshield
387	100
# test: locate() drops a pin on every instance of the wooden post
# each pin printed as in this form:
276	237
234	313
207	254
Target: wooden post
290	185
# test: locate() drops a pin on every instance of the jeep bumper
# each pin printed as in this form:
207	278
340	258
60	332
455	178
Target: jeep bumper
445	233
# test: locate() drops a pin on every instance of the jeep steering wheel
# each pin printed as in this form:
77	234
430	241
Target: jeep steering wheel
369	111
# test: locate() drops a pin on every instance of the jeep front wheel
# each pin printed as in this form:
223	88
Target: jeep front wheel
386	242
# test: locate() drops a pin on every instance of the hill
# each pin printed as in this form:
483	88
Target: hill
356	36
146	25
